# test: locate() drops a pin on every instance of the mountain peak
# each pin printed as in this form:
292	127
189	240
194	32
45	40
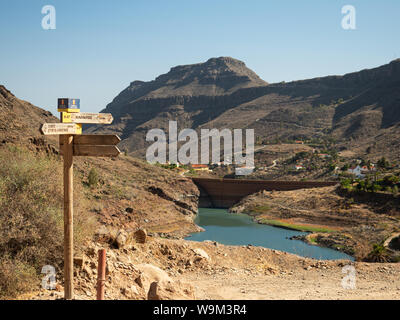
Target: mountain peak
221	75
225	60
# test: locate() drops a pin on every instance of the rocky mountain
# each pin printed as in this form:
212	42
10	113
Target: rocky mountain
357	109
192	94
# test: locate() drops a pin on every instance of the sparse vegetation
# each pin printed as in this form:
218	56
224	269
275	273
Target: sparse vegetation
378	253
388	184
297	227
31	220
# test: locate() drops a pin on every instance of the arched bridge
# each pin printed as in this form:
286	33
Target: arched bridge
224	193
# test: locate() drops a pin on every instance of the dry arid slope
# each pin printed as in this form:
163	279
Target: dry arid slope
20	121
360	109
160	198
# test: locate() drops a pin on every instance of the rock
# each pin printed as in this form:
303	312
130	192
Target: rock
140	280
124	291
59	287
170	290
140	236
87	272
134	290
121	239
129	210
201	253
79	261
150	274
109	268
102	234
91	252
188	263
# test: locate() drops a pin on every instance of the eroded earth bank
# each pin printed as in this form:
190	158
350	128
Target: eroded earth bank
159	264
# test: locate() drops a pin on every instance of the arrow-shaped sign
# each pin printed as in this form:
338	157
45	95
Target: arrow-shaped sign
95	139
96	151
93	145
86	117
61	128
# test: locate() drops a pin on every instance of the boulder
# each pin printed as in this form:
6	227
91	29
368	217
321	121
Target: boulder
140	236
170	290
121	239
102	234
149	274
201	253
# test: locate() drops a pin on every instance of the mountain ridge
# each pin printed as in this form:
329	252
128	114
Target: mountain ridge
223	93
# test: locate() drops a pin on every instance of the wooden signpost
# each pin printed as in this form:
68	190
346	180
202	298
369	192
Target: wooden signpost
92	145
61	128
73	143
85	117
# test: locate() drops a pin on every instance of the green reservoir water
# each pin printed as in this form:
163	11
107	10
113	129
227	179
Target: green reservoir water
239	229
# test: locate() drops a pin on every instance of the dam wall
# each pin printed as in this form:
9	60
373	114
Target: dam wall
224	193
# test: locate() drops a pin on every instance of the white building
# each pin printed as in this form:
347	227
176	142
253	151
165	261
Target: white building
357	171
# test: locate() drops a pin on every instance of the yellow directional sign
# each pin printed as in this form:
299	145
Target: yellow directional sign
61	128
86	117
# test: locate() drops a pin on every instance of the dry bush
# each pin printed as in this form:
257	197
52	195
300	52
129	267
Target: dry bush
31	218
15	277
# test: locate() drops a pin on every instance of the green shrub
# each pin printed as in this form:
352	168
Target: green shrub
93	178
378	254
346	183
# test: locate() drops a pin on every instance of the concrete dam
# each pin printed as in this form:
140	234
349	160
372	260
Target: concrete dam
224	193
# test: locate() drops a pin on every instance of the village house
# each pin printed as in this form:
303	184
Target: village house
357	171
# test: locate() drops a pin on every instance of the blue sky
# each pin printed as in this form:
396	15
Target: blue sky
100	46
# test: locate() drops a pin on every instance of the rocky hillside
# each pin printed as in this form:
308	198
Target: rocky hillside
130	193
20	121
360	109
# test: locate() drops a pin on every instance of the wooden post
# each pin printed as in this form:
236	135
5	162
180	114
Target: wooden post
101	274
68	217
86	145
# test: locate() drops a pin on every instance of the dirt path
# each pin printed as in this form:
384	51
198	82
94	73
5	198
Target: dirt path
232	272
319	284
